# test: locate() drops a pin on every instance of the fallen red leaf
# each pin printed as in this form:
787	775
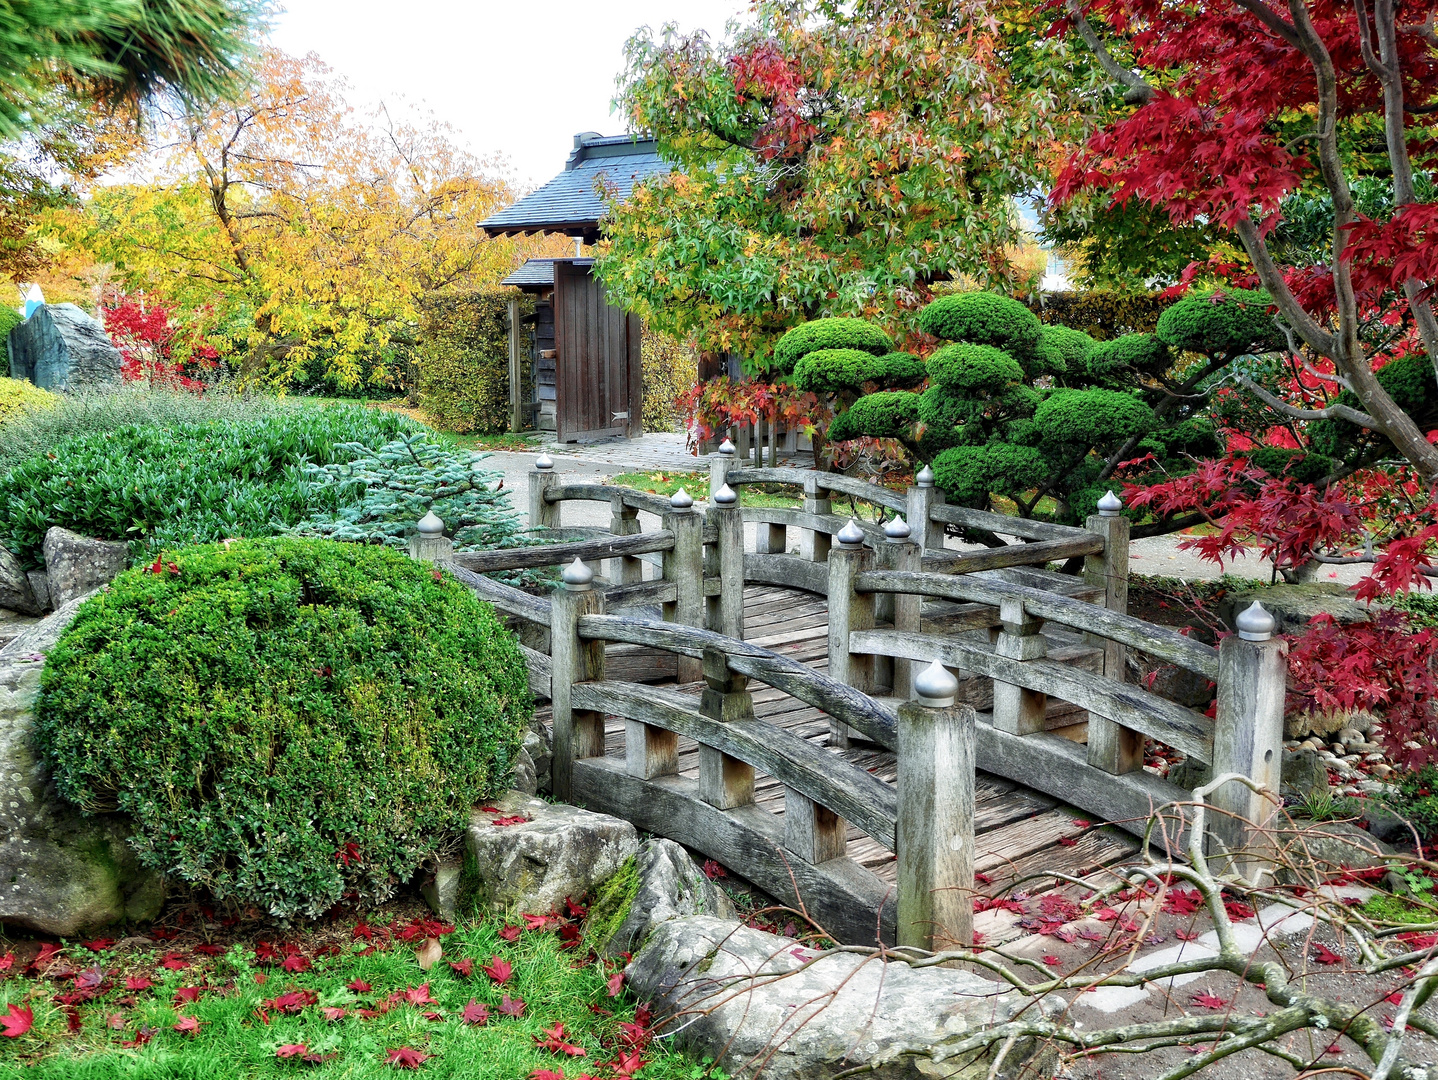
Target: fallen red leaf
7	961
173	961
509	933
1187	935
464	968
48	951
187	994
1053	961
114	1021
208	949
138	982
332	1013
1325	954
546	1074
17	1021
615	983
627	1064
290	1050
188	1024
554	1041
407	1058
1209	1001
509	819
100	944
419	995
536	922
511	1006
498	969
359	986
293	1001
1081	823
73	1022
142	1036
1068	841
1395	998
576	911
296	964
475	1013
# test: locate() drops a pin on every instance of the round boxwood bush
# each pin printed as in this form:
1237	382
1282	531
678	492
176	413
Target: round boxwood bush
1221	323
1061	348
973	368
288	722
983	318
888	414
842	333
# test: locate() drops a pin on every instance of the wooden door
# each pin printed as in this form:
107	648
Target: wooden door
599	388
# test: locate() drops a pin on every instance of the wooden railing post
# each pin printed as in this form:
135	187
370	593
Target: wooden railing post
1111	746
720	462
516	411
684	567
923	497
849	611
815	545
624	521
1017	709
430	544
542	513
578	733
1248	738
724	781
901	610
935	825
725	560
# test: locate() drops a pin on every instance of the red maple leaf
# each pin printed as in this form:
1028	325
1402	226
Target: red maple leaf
17	1021
615	983
359	986
290	1050
142	1036
635	1035
554	1041
509	933
1067	841
475	1013
48	951
509	819
419	995
536	922
463	968
498	969
1187	935
210	949
1082	823
7	961
332	1013
90	978
188	1024
1325	954
627	1064
576	911
407	1058
173	961
546	1074
100	944
186	994
511	1006
138	982
1053	961
1209	1001
296	964
1238	910
293	1001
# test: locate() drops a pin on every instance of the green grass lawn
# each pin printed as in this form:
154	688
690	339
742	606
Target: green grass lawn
340	1006
697	485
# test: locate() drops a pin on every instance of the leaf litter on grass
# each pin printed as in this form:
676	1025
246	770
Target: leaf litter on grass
365	1010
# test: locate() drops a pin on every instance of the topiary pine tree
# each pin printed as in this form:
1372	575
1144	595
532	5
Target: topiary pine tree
1041	415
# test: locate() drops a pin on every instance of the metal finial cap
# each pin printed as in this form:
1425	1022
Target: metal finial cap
576	576
430	525
726	448
681	500
851	535
725	496
544	461
897	531
925	477
936	686
1110	505
1255	623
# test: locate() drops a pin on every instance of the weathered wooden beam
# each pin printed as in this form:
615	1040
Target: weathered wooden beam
814	541
1179	727
624	521
769	476
935	826
1004	524
862	489
577	732
902	611
684	569
1159	641
922	500
1111	746
1036	554
506	598
725	561
725	781
543	514
849	613
639	500
540	668
846	899
793	571
876	720
812	832
516	411
1248	739
590	551
820	775
1018	709
644	592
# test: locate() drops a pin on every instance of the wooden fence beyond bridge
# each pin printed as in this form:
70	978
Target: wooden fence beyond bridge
953	661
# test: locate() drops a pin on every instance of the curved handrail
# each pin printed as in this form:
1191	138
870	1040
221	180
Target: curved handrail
506	598
639	500
1004	524
844	703
529	558
1159	641
860	489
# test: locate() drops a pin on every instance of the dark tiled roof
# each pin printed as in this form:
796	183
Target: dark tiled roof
539	272
570	202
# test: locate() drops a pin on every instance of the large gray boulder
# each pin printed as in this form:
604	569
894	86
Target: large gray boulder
670	886
765	1006
60	873
16	592
59	347
557	851
76	565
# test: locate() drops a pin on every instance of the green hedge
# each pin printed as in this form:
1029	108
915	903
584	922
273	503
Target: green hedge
463	358
1105	313
288	722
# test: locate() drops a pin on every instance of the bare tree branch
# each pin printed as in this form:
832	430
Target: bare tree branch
1331	412
1138	90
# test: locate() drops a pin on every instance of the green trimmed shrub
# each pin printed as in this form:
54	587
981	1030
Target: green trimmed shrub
1105	313
1228	323
463	362
9	319
19	396
982	318
190	482
1092	417
288	722
969	473
816	334
973	368
888	414
845	371
1060	348
900	369
1109	360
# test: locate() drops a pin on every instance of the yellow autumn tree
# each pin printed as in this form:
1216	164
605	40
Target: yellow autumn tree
298	230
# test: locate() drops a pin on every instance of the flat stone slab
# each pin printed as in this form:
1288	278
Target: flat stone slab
554	851
768	1007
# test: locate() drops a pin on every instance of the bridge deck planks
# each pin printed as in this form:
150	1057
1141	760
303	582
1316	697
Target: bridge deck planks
1017	830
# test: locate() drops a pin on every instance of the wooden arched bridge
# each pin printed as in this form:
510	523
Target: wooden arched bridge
763	707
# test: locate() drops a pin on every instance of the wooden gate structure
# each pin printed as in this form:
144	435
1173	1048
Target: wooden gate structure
995	626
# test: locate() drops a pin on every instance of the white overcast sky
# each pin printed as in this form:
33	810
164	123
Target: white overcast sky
517	77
